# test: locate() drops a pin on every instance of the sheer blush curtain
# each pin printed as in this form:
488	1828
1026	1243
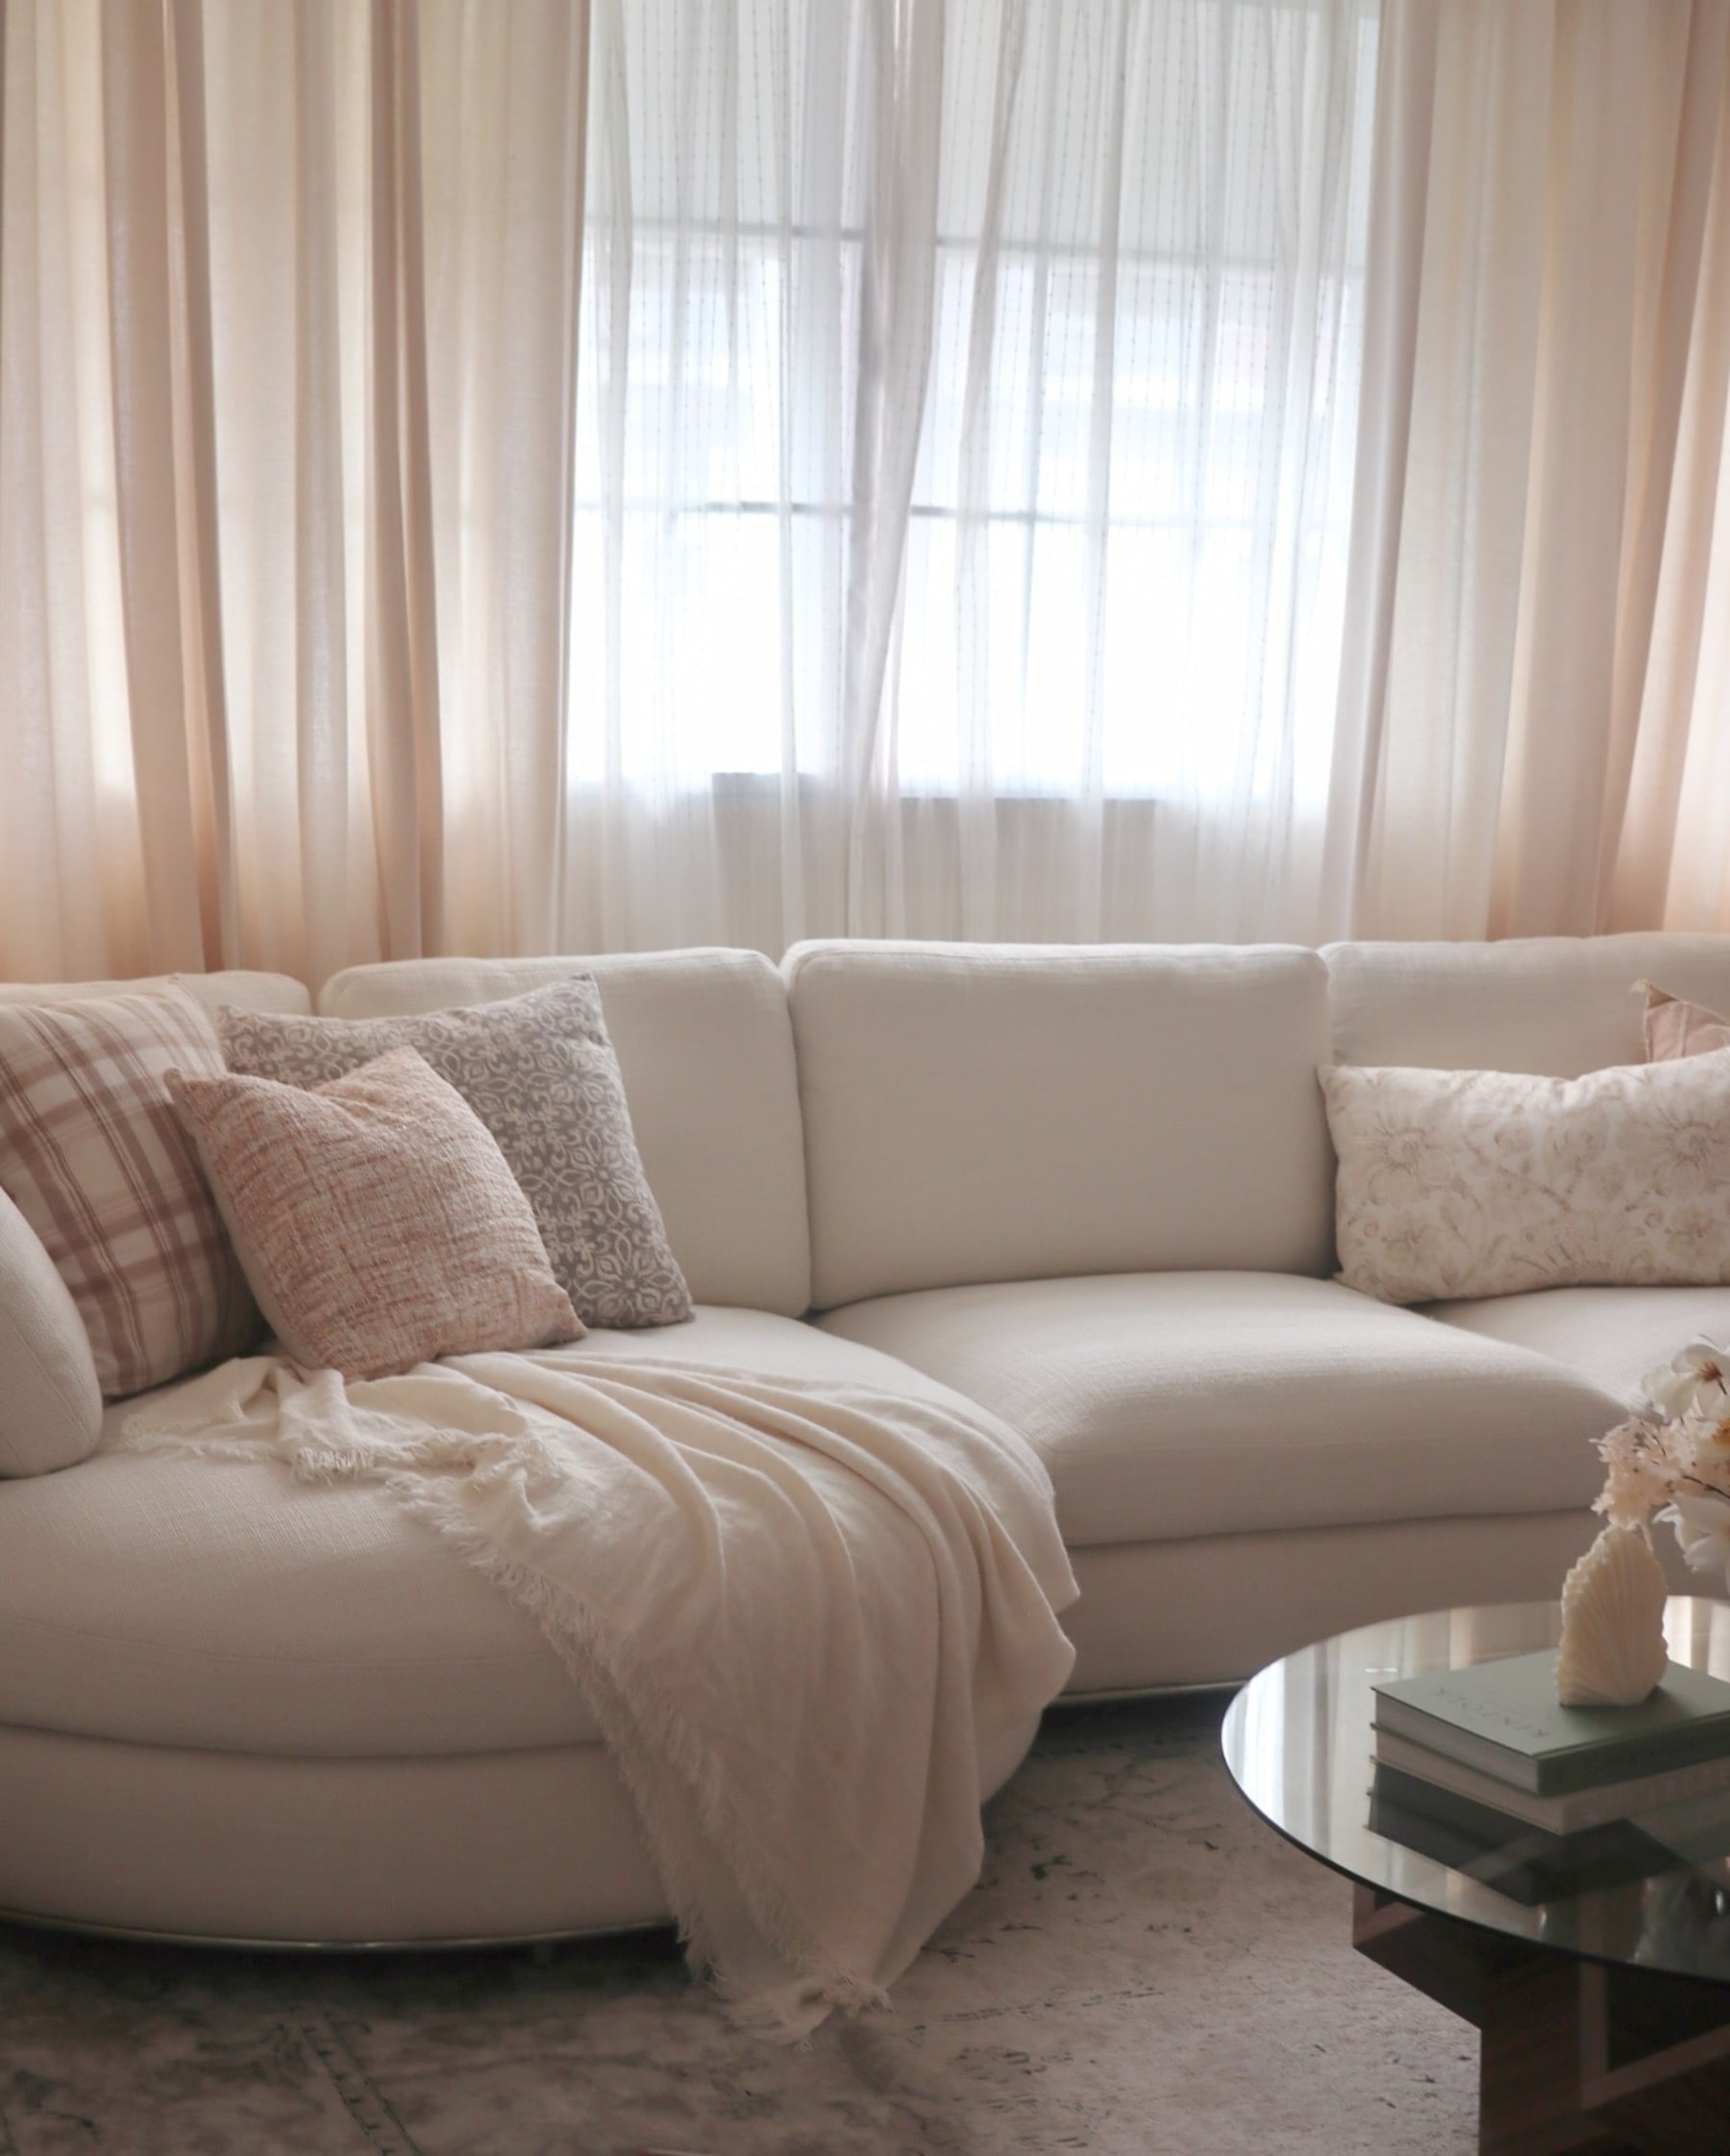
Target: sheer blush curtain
952	508
966	415
1533	734
287	337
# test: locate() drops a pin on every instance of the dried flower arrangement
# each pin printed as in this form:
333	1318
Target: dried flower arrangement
1670	1461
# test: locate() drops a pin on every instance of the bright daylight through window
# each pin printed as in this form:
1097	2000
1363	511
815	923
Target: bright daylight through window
1005	356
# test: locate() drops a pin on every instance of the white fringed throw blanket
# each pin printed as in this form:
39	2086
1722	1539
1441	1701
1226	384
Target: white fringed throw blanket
797	1612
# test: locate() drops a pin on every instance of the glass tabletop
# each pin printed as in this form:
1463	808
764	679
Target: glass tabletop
1652	1892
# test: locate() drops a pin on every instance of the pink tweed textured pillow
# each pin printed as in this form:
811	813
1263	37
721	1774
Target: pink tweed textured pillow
375	1216
1675	1028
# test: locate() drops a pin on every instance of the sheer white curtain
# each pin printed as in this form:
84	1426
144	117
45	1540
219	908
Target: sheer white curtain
288	341
1533	734
966	415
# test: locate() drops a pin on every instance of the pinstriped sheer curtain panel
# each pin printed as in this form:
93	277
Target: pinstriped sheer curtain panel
1534	723
287	339
931	519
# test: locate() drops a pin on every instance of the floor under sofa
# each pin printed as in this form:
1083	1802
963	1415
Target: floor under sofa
1145	1967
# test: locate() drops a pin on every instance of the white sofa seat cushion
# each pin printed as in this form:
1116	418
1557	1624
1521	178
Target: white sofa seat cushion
220	1606
705	1049
217	1606
1202	1403
1610	1336
1022	1112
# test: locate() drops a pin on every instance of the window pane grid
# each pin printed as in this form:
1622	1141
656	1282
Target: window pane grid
1125	538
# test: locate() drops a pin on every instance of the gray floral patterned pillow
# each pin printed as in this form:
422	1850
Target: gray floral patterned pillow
540	1073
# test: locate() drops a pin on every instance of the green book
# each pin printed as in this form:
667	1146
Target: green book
1504	1719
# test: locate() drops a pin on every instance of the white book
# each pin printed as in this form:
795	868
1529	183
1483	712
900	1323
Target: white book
1567	1814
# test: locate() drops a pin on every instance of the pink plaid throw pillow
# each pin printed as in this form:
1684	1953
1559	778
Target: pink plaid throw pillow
93	1156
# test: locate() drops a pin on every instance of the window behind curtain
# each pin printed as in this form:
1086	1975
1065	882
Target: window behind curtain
1097	272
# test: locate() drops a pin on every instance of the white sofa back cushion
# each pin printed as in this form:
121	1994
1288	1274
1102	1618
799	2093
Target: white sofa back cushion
1554	1005
1012	1112
706	1052
250	991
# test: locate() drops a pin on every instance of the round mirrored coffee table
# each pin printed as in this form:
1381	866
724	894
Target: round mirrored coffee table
1597	1965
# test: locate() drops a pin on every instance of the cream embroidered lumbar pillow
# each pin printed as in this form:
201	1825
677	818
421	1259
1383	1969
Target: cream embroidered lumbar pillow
1455	1183
376	1217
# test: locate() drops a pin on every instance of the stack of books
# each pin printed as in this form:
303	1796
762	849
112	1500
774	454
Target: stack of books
1483	1770
1495	1734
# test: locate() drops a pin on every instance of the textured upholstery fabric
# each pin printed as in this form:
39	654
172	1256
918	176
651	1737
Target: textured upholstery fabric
1248	1460
1213	1609
776	1346
1020	1112
1674	1026
232	1846
540	1073
219	1605
1496	1182
504	1845
706	1052
50	1401
94	1158
504	1841
1554	1005
222	1607
1612	1336
1207	1403
378	1221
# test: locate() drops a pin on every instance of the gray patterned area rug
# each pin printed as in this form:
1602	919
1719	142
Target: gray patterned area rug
1145	1968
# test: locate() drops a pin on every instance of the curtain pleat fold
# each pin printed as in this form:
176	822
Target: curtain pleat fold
400	603
198	555
1674	703
150	512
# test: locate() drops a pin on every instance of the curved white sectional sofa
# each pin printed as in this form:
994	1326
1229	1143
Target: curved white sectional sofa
1090	1188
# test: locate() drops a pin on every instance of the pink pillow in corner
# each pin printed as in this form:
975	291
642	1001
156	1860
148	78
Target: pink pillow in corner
375	1217
1675	1028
